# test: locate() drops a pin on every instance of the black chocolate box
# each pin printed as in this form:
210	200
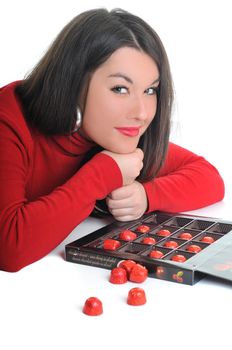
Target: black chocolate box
213	256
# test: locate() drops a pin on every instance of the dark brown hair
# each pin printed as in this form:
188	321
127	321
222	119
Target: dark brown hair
51	92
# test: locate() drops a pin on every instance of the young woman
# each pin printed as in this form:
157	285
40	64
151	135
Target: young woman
91	122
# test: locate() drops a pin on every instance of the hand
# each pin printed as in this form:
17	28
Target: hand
130	164
128	202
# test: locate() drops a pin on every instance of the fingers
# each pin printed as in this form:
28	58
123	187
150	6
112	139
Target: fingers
125	214
120	202
139	153
113	205
128	202
122	192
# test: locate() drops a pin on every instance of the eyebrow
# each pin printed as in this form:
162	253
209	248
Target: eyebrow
129	80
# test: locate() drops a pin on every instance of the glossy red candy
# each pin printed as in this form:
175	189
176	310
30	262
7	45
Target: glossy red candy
149	240
127	265
171	244
185	235
143	229
179	258
207	239
194	248
138	274
156	254
111	244
93	307
136	297
163	233
127	235
118	275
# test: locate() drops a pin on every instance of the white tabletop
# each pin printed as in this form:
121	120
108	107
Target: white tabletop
41	306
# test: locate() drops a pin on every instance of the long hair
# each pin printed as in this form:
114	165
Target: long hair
51	92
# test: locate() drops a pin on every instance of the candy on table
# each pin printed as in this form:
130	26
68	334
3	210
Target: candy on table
118	275
93	307
136	297
127	265
138	273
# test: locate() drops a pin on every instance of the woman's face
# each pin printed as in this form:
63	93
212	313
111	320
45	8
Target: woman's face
121	100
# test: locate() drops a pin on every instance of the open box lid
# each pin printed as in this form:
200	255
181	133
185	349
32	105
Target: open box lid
216	260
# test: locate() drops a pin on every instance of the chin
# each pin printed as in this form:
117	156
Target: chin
123	150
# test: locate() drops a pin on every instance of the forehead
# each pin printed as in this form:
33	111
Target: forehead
137	65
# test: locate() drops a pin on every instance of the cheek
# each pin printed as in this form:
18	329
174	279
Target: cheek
101	115
94	114
97	124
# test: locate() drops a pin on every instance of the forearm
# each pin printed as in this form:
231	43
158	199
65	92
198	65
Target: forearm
190	187
30	230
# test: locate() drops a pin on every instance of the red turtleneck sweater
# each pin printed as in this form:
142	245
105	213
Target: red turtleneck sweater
45	194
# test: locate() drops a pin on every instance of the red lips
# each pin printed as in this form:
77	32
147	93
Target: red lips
129	131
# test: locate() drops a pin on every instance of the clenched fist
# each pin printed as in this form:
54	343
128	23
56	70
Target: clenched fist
130	164
128	202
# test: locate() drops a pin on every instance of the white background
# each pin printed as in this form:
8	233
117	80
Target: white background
41	305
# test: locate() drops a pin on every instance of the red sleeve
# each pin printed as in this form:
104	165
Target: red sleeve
185	182
30	230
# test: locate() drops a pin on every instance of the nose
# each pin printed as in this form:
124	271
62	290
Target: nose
139	109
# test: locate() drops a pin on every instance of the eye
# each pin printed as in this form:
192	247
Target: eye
151	90
121	90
